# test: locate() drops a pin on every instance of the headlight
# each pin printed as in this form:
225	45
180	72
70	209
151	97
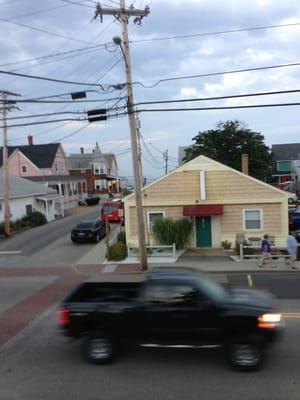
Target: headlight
269	320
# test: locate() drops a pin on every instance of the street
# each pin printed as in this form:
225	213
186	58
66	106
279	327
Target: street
47	245
37	362
40	364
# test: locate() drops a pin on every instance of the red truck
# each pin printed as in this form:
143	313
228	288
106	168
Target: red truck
113	211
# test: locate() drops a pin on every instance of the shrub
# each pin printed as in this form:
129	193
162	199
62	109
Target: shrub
121	238
117	252
35	218
226	244
167	231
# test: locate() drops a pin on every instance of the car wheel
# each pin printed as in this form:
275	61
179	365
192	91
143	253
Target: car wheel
245	354
74	241
290	200
99	348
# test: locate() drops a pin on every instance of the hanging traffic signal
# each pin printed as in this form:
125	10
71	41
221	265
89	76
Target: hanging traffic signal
97	115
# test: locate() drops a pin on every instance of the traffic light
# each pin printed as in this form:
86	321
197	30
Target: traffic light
97	115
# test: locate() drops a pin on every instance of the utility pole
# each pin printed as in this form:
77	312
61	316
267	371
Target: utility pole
122	14
166	160
5	106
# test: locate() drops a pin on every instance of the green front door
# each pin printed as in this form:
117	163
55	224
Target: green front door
203	231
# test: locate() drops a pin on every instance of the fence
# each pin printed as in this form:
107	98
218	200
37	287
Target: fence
154	250
278	257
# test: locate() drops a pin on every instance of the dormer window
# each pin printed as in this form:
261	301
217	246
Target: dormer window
24	169
97	169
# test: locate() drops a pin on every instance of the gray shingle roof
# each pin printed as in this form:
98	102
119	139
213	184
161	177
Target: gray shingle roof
286	151
19	187
42	155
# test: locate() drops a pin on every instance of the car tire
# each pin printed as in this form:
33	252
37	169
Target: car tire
98	348
246	353
74	241
290	200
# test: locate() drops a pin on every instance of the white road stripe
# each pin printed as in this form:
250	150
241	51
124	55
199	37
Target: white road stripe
109	268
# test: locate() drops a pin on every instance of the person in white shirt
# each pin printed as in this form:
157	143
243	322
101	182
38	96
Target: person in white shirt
292	246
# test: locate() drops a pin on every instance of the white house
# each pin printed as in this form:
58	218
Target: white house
26	196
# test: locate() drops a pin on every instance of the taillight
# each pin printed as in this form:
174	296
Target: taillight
63	316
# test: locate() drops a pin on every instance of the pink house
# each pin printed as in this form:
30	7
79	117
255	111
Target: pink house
46	163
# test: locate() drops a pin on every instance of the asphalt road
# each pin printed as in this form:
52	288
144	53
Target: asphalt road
40	364
47	245
282	285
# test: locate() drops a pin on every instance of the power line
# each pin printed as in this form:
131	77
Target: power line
72	134
296	64
44	31
38	12
46	115
58	54
34	101
221	108
45	122
43	78
276	92
215	33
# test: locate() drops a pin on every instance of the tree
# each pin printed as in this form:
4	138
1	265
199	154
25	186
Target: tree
228	142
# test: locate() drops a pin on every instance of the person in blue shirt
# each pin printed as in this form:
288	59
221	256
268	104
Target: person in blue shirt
266	251
292	247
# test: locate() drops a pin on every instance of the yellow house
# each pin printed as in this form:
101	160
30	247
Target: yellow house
220	201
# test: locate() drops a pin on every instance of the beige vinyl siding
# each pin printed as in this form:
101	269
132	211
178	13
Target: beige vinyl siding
170	212
232	218
228	185
178	186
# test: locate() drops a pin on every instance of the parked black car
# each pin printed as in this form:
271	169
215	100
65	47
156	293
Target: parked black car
88	231
173	308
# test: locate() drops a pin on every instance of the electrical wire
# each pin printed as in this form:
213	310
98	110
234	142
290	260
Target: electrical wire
43	78
45	122
221	108
72	134
45	31
296	64
58	101
46	115
274	92
215	33
38	12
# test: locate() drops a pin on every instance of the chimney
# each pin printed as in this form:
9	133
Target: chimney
245	164
30	140
81	150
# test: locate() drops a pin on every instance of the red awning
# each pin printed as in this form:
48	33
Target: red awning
198	210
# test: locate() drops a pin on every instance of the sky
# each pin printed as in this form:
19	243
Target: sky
33	29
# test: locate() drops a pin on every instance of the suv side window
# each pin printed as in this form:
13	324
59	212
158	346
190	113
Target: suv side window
156	292
169	292
182	294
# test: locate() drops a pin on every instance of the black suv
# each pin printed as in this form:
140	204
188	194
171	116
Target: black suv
88	231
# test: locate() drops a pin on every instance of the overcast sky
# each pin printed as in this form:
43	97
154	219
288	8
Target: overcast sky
153	60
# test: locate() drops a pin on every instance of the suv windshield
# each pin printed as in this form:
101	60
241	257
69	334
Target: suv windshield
108	208
85	225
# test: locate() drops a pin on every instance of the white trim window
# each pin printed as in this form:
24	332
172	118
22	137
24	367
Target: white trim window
24	169
97	168
152	216
100	184
252	219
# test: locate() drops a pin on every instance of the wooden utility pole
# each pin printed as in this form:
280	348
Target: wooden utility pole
166	160
5	166
5	106
122	14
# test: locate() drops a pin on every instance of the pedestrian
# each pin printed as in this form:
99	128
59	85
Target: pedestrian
266	251
292	247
